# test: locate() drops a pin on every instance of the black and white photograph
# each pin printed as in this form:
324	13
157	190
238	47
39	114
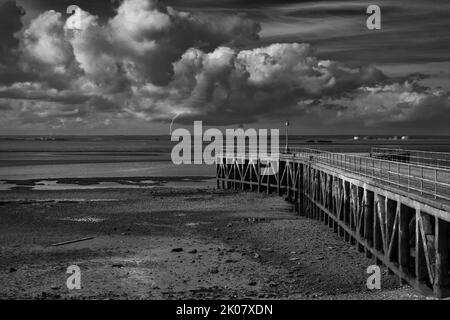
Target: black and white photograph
227	150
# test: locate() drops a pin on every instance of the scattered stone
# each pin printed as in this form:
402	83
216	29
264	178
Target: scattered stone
214	270
294	259
252	283
228	238
216	229
319	258
12	270
229	261
229	225
55	288
256	256
267	249
117	265
192	251
177	249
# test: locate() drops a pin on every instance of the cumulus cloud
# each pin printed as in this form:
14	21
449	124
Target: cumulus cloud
231	86
153	63
396	104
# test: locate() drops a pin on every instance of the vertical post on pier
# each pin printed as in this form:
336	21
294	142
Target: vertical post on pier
279	176
346	208
234	174
391	226
217	175
252	167
403	240
300	189
378	224
420	264
258	172
335	204
288	189
330	199
368	219
441	280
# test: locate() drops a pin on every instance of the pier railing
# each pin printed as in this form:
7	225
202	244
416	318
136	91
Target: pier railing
420	157
431	181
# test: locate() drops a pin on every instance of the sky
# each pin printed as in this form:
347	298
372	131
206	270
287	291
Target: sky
136	66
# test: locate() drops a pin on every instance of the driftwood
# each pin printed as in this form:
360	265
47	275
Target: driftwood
71	241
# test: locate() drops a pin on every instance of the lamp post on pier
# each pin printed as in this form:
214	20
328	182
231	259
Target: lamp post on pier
287	125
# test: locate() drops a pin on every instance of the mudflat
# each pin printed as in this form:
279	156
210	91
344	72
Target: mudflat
166	243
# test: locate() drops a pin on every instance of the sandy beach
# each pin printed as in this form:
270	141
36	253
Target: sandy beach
175	243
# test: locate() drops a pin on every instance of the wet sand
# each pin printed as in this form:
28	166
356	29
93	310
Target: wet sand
167	243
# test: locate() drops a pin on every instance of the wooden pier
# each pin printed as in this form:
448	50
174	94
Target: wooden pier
396	212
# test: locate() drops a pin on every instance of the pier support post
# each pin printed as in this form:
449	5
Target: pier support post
441	280
403	241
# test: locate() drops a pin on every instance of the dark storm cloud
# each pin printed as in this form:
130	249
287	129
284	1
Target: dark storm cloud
10	23
223	62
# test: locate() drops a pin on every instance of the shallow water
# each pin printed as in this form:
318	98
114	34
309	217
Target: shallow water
33	157
51	185
89	170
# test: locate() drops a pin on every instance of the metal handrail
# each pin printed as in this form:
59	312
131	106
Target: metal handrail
430	158
378	169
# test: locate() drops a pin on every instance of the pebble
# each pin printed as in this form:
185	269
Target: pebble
214	270
177	249
192	251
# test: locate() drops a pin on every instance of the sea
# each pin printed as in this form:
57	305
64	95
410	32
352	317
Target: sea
54	157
